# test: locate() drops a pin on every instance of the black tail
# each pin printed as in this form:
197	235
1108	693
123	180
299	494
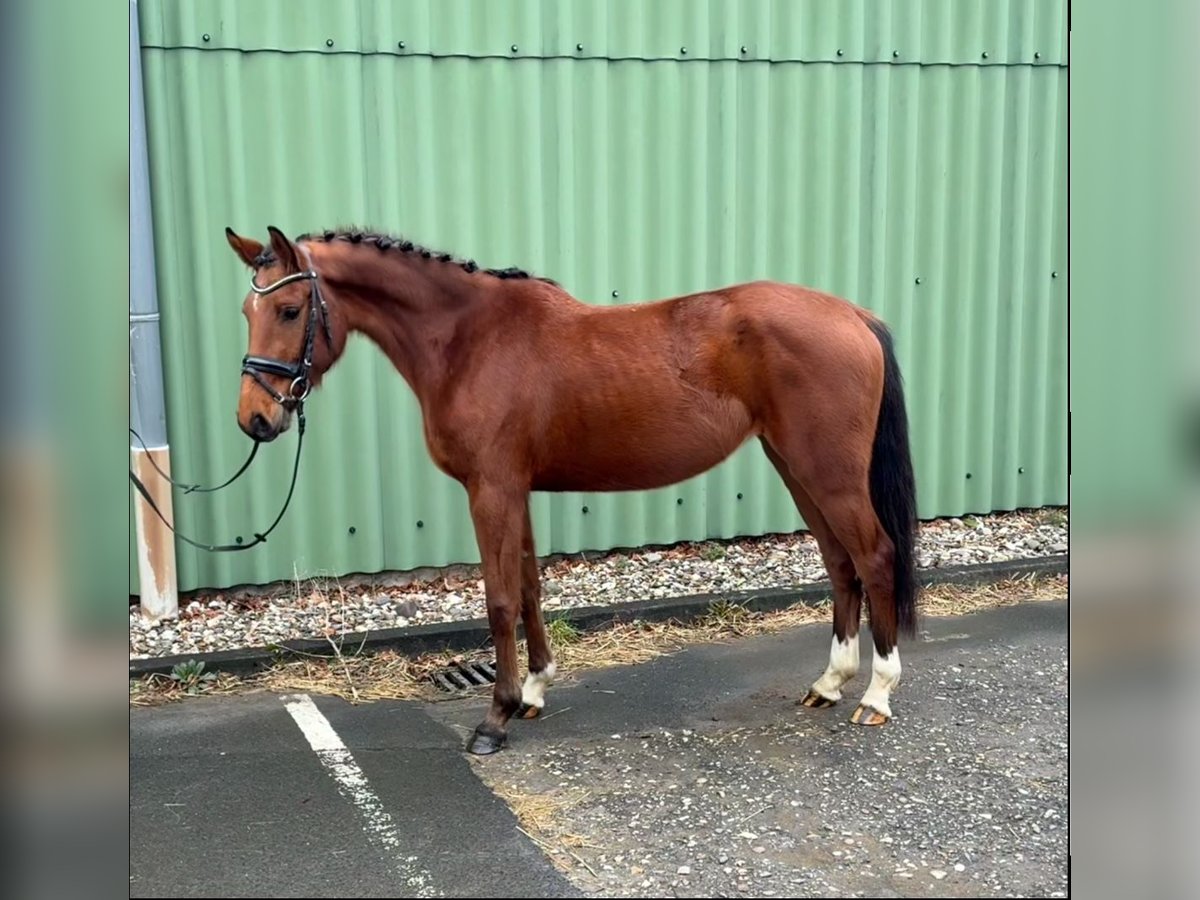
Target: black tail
893	487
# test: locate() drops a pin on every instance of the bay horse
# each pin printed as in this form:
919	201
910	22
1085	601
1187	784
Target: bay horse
524	388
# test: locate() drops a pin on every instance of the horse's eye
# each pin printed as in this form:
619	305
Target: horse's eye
289	313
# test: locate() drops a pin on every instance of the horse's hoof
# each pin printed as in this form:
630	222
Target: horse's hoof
868	715
813	700
525	711
483	744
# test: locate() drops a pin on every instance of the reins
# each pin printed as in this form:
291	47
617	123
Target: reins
293	400
259	537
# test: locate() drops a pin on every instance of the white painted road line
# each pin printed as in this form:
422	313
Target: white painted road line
352	784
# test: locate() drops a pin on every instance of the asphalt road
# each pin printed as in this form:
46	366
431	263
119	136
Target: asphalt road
689	775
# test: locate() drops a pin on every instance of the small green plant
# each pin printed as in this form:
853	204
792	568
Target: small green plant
726	615
191	677
561	631
1054	517
712	552
278	653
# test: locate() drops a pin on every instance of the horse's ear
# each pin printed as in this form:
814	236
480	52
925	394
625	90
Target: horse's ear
285	250
247	249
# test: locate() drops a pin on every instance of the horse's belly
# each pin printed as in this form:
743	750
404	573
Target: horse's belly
623	455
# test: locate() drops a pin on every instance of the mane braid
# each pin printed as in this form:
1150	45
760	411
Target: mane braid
388	243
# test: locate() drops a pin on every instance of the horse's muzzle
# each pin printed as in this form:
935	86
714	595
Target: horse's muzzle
263	429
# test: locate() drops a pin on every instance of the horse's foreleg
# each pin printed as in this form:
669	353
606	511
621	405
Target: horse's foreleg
498	514
541	659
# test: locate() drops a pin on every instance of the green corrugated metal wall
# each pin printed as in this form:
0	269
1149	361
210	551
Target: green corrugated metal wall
851	145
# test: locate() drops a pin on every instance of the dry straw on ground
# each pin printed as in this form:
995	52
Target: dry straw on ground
539	815
327	605
357	676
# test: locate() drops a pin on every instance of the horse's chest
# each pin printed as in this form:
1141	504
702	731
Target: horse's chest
445	446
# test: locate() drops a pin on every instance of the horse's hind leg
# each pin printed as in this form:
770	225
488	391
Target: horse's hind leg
852	517
541	659
847	595
835	479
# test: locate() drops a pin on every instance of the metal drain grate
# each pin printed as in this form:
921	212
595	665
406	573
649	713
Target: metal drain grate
462	677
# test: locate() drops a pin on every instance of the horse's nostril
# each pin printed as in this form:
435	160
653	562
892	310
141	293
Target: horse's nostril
259	426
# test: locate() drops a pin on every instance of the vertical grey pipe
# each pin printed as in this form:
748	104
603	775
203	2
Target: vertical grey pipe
147	409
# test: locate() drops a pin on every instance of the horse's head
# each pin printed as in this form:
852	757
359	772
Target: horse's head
291	338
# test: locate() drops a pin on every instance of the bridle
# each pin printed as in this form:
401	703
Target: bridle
257	366
292	401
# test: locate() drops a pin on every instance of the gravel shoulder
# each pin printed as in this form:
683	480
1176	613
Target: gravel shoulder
320	608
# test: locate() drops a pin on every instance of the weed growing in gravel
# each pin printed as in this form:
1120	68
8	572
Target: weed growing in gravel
1054	517
727	616
187	679
191	677
561	631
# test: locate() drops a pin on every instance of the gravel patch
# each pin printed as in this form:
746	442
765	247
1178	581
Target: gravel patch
322	607
962	795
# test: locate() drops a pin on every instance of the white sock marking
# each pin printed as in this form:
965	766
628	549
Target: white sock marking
533	692
352	784
843	665
885	675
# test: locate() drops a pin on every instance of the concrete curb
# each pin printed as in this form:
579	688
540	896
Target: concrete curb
471	634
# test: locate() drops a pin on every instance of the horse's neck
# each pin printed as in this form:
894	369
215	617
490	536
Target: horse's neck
410	308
